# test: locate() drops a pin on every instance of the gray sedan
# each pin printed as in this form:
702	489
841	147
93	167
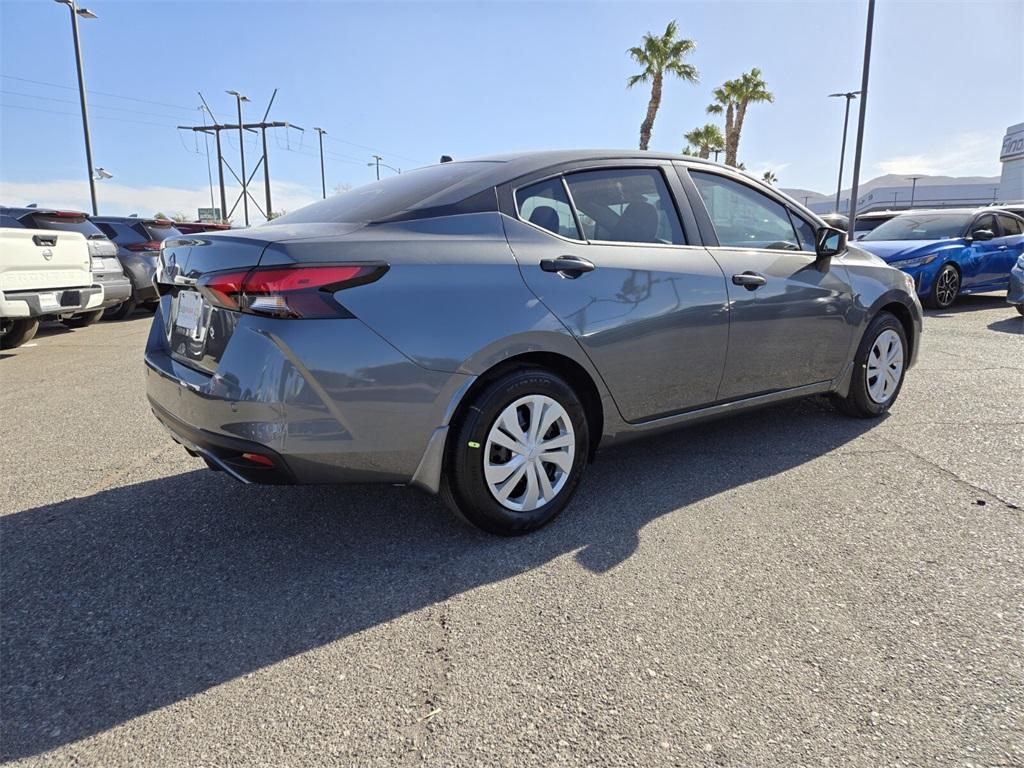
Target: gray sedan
479	329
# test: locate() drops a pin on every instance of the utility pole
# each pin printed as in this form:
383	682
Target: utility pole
323	182
85	13
863	113
913	187
717	153
241	150
243	180
376	161
206	143
849	96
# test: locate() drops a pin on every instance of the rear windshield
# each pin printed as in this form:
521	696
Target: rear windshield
387	197
64	224
161	231
921	226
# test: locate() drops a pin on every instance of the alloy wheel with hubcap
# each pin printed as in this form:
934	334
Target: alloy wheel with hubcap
885	366
947	286
529	453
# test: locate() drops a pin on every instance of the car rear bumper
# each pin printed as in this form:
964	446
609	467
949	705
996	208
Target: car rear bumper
327	401
116	287
63	301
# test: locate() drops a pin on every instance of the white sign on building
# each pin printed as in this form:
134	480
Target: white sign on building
1011	155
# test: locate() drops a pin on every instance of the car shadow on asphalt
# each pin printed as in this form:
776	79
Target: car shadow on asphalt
120	603
971	303
1013	324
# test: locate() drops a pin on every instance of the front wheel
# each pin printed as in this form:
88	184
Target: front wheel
879	368
945	288
17	332
516	456
84	319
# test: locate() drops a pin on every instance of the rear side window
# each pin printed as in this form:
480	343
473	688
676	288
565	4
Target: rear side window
123	233
1010	225
546	205
9	221
628	205
744	217
159	231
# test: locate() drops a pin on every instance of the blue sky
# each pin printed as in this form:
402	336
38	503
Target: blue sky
414	80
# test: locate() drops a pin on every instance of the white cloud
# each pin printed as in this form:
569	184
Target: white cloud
117	199
968	154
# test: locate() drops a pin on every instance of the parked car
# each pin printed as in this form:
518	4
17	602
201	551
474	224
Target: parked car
1015	294
106	269
950	252
194	227
480	328
868	221
138	245
44	275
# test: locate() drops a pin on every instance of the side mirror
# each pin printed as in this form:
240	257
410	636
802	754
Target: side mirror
828	242
982	234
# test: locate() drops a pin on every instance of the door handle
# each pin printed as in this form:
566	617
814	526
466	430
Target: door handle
1004	247
568	266
749	280
45	240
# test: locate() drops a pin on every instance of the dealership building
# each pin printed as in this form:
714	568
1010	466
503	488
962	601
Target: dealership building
1009	188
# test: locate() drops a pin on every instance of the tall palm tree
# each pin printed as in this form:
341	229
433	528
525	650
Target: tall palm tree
733	97
769	177
706	139
659	55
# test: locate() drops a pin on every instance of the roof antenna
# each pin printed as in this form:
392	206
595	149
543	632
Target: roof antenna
446	159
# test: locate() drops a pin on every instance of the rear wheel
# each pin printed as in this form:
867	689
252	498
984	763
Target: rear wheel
14	333
517	454
945	288
84	319
122	310
1020	308
879	368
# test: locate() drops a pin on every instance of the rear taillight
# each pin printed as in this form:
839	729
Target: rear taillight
300	291
152	245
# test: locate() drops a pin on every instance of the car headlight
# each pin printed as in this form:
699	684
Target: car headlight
918	261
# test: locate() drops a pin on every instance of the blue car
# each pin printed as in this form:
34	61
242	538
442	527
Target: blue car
950	252
1015	295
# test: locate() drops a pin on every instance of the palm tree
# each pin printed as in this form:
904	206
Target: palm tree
706	139
769	177
658	55
733	97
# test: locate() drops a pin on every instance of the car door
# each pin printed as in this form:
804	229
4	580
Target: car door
606	250
978	263
788	316
1009	245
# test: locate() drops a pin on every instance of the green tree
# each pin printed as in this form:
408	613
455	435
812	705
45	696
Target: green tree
706	139
769	177
733	97
658	55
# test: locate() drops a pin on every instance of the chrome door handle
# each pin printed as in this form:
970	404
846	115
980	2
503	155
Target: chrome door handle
749	280
568	266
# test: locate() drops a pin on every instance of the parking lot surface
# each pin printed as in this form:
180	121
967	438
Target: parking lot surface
789	588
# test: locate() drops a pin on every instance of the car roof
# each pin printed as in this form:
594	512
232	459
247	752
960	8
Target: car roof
24	211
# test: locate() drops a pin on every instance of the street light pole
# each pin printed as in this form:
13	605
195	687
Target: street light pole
323	182
376	161
849	96
241	149
913	187
863	112
85	13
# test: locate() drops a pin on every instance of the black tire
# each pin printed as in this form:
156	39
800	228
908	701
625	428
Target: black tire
84	319
464	487
151	306
858	402
122	310
945	288
18	332
1020	308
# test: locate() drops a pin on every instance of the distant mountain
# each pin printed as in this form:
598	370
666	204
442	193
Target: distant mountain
889	180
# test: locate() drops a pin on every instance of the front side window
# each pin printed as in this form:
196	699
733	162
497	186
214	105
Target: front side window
1010	225
743	217
627	205
986	222
921	226
546	205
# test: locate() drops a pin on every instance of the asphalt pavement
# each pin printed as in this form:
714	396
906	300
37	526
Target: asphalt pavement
783	588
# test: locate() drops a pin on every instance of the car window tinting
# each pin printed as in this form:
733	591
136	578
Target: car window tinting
921	226
388	197
1010	225
625	205
546	205
986	222
161	231
743	217
65	224
805	232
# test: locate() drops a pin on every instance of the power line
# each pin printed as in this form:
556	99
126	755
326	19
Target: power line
373	149
99	93
94	106
71	114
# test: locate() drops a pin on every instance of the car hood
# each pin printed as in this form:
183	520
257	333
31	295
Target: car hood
897	250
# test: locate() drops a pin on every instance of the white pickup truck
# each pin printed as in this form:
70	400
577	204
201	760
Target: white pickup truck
44	275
